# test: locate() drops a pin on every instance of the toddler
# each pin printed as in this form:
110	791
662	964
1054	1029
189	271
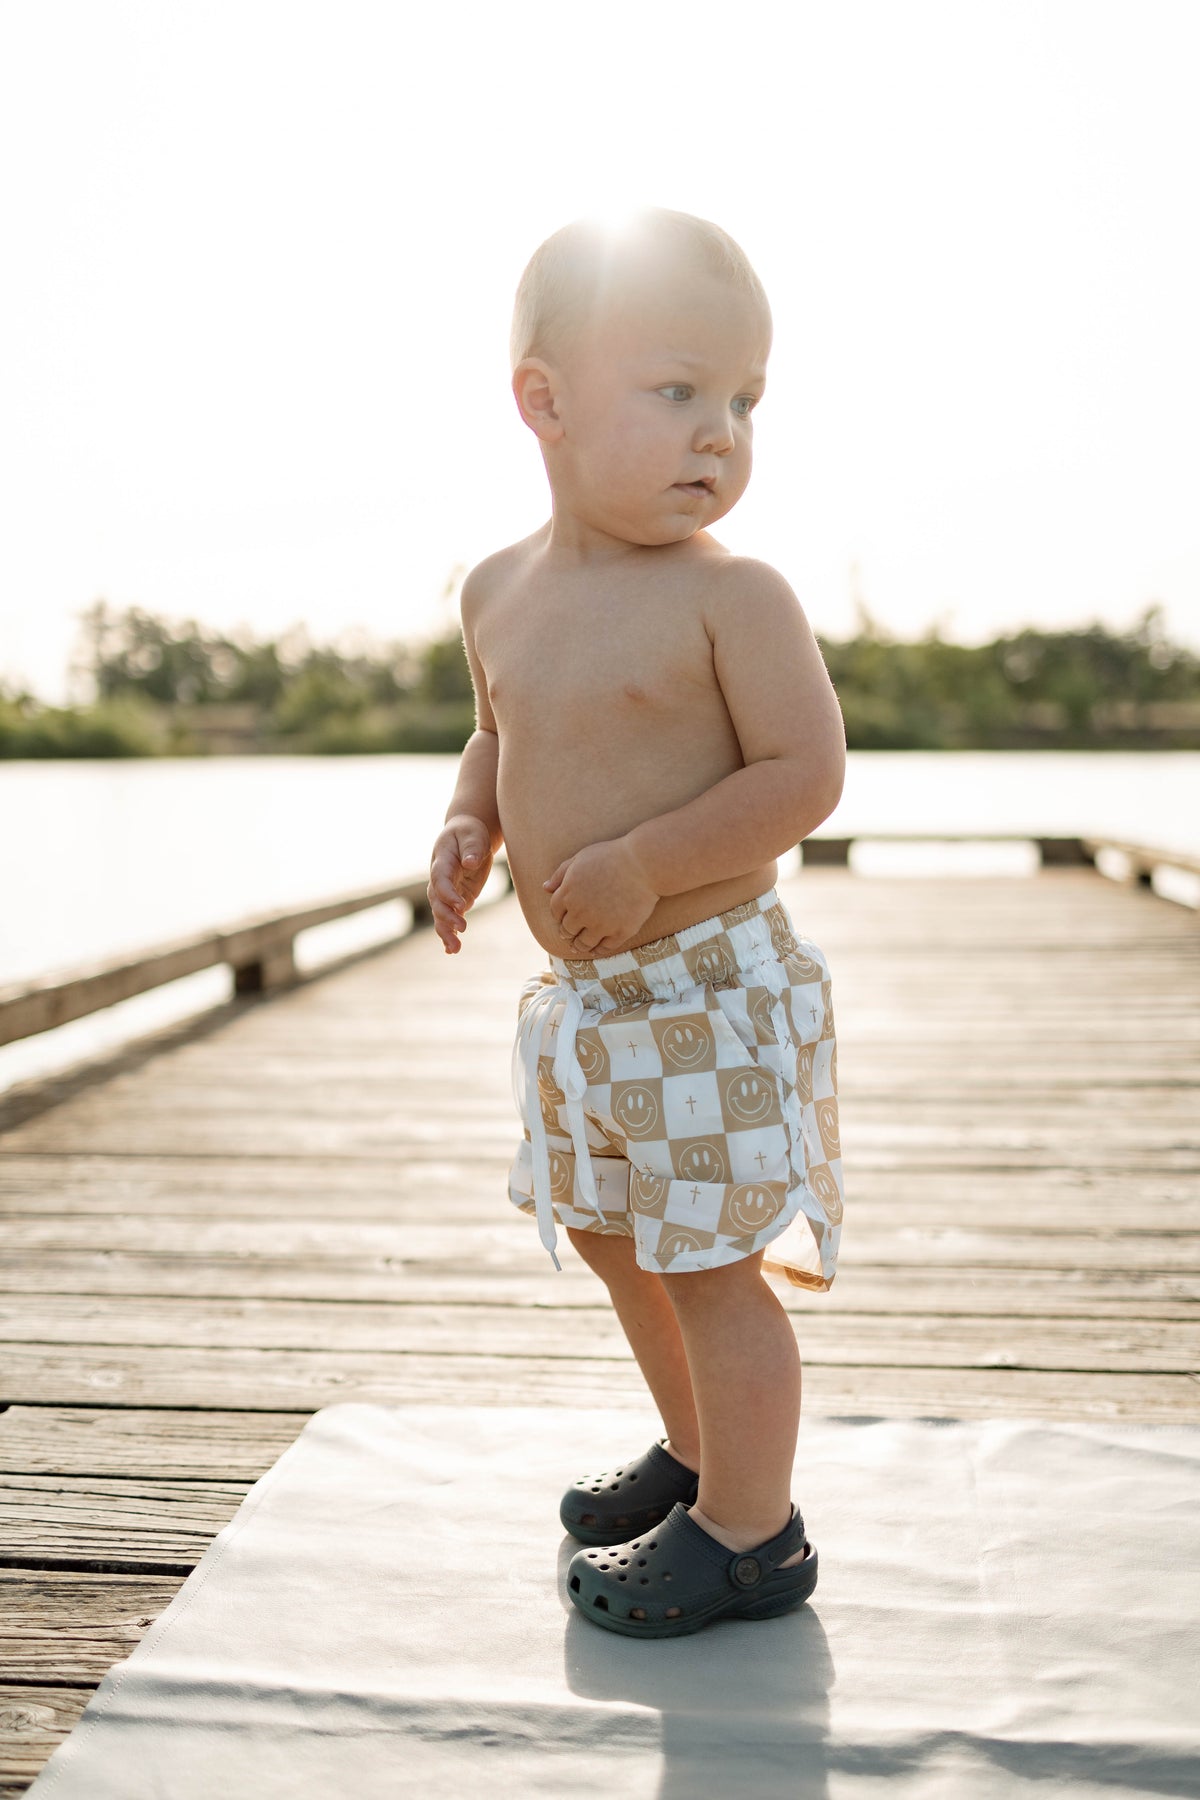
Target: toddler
655	726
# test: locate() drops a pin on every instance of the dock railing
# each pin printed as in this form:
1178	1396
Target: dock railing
260	950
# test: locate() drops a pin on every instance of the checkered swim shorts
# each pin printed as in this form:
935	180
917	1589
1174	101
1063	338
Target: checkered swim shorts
684	1094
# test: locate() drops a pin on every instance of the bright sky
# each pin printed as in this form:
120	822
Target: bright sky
259	261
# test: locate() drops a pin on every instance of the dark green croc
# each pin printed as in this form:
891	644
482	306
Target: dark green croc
603	1509
678	1578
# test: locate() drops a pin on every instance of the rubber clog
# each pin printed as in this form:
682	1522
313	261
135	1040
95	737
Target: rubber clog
629	1501
679	1569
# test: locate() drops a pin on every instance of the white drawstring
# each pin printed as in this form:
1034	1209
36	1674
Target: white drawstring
569	1077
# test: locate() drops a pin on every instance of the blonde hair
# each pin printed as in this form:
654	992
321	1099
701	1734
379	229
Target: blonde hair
587	265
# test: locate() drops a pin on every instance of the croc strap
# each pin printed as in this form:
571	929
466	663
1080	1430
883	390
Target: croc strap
744	1569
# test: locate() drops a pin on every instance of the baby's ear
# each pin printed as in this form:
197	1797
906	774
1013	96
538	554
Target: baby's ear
535	391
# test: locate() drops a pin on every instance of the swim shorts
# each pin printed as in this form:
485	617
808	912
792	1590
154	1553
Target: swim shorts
684	1094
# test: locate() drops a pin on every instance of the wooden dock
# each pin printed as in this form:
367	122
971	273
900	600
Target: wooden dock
301	1201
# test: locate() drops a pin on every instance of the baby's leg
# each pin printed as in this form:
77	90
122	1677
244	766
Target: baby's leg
745	1374
649	1322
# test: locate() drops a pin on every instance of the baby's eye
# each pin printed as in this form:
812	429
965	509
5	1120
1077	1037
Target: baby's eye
744	405
677	391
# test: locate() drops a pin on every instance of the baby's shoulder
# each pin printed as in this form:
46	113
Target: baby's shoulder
495	574
744	585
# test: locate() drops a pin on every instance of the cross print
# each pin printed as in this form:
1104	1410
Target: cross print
690	1104
761	1160
695	1193
599	1184
553	1027
647	1170
632	1047
812	1013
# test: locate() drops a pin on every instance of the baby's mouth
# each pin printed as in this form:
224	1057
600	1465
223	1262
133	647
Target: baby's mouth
701	489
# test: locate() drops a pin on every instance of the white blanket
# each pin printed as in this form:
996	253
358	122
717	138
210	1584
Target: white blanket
1004	1608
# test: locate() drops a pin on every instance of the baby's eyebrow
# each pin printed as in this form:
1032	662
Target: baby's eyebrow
683	359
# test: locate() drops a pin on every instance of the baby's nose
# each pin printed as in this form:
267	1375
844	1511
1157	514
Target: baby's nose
714	435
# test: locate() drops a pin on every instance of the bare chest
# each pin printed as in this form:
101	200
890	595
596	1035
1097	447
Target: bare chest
637	663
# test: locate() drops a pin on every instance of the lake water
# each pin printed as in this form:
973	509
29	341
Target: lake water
98	858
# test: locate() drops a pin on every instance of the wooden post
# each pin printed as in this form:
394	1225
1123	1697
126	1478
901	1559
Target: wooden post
273	969
826	852
1064	853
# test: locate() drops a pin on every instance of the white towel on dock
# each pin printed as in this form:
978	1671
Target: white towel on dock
1005	1608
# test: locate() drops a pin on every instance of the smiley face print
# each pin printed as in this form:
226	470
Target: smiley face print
635	1108
686	1045
712	963
802	967
748	1098
759	1009
804	1072
628	989
560	1175
592	1057
700	1161
750	1208
827	1125
823	1183
679	1243
648	1194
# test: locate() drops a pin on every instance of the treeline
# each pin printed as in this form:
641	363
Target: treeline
165	690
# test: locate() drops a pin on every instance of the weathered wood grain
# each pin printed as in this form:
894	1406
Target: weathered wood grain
285	1189
144	1523
1114	1244
33	1722
381	1333
123	1442
272	1380
522	1281
66	1627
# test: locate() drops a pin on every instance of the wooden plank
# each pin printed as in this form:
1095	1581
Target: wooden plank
881	1389
72	1627
290	1189
476	1328
127	1442
124	1524
891	1245
33	1722
525	1281
271	1380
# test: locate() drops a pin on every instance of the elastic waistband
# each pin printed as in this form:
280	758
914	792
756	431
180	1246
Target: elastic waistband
712	952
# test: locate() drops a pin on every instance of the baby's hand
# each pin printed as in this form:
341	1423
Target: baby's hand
461	863
601	897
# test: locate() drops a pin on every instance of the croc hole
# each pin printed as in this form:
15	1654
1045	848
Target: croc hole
600	1603
574	1584
622	1578
641	1559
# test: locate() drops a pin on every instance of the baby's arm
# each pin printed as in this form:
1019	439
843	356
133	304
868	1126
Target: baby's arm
463	851
789	727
